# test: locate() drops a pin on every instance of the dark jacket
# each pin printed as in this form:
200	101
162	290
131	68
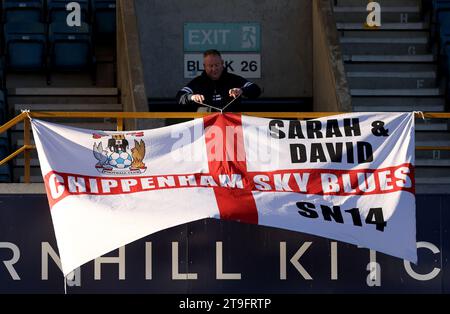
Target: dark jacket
216	92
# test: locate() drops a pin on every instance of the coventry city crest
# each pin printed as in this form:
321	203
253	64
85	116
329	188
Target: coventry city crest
117	158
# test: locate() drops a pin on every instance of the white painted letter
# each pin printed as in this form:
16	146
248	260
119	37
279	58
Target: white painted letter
110	260
14	259
293	260
374	17
219	265
176	275
431	274
74	17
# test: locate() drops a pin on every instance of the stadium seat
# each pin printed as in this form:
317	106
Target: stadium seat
71	47
57	12
25	46
104	12
23	10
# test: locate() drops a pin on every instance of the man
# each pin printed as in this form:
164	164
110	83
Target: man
216	87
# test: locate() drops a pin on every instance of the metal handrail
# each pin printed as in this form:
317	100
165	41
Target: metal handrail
120	116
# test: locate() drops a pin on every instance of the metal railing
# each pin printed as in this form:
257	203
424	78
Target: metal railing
121	116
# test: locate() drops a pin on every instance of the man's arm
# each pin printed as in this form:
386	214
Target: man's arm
251	90
184	96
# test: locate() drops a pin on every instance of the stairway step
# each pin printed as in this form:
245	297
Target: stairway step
69	107
63	91
390	67
20	162
384	26
433	154
431	125
399	104
35	173
387	9
436	136
384	49
391	80
397	92
433	162
386	34
404	74
384	41
399	108
390	14
12	100
431	143
429	172
390	83
389	58
432	176
431	184
20	142
105	126
385	3
33	179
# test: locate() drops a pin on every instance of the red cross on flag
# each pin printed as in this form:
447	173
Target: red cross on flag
348	177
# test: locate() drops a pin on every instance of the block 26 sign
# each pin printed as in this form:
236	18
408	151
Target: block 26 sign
239	43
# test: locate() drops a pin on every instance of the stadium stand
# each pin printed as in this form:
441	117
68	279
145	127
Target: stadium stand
395	68
441	22
40	49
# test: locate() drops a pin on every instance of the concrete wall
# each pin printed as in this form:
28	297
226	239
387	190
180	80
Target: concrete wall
286	41
129	66
330	88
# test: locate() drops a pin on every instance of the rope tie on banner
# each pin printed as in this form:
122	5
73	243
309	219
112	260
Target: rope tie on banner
27	111
420	113
221	110
209	106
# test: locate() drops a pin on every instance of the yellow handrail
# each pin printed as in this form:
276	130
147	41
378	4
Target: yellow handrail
17	152
120	116
12	122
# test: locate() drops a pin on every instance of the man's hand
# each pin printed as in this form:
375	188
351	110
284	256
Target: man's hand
198	98
235	92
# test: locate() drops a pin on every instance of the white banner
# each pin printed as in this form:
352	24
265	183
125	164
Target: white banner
348	177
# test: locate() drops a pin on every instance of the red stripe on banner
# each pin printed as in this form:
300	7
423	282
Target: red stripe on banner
226	155
238	188
336	181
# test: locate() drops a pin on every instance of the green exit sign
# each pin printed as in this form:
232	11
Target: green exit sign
236	37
